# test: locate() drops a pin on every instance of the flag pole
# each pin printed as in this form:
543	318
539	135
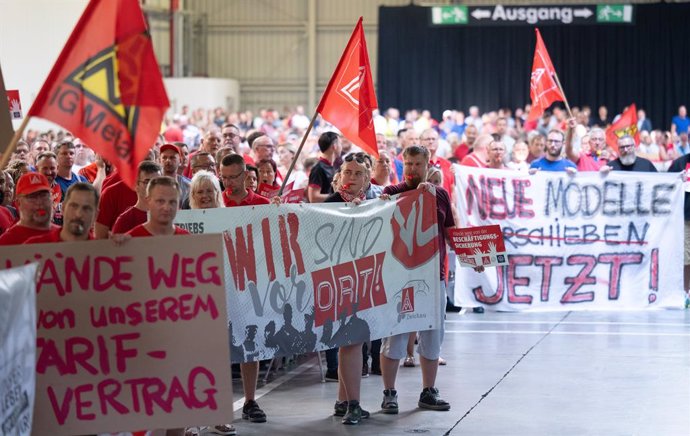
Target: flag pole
565	99
13	143
299	150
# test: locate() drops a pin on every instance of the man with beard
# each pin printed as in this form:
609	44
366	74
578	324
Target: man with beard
138	213
553	161
628	159
35	210
416	164
587	160
170	160
79	212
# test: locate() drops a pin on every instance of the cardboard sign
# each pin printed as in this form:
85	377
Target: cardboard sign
118	344
14	103
17	349
304	278
291	195
479	246
268	191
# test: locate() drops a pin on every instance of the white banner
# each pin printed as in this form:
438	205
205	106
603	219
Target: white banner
301	278
17	349
582	242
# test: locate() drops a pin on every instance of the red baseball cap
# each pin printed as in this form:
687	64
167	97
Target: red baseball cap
32	182
173	147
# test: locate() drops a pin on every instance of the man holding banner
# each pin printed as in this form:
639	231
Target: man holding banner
415	166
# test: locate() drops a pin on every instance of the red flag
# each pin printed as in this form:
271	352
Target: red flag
106	87
349	97
543	88
626	124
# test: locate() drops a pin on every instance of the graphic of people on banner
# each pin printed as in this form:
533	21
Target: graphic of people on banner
17	349
582	242
301	279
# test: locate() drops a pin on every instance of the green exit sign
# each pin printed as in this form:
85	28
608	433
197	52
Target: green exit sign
614	13
449	15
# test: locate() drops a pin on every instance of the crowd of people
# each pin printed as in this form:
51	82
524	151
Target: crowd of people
56	188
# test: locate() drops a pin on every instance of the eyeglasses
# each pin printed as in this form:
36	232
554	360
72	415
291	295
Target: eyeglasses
204	167
235	177
626	146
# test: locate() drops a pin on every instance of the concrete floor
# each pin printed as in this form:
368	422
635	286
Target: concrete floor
575	373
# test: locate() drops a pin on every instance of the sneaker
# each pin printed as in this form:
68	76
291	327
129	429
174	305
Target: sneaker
222	429
375	369
340	409
252	412
442	361
478	309
365	370
409	362
354	413
390	402
430	399
331	375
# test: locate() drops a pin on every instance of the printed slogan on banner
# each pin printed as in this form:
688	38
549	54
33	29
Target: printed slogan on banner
301	279
578	242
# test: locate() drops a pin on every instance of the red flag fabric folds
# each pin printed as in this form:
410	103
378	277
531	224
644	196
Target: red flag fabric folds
349	97
106	87
543	88
626	124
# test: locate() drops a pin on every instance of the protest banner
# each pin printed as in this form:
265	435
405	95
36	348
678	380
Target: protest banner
302	278
118	344
17	349
479	246
582	242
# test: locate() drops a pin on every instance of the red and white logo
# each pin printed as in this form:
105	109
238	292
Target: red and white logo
415	228
35	180
407	300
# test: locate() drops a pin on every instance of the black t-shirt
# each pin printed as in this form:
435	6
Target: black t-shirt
321	176
640	164
335	198
677	166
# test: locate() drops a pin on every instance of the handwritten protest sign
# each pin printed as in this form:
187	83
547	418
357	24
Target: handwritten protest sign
481	245
301	278
578	242
118	334
17	349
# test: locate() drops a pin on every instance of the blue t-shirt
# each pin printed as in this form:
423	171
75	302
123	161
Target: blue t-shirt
682	124
546	165
65	184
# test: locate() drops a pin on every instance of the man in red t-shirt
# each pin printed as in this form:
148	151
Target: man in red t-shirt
464	149
80	206
162	198
233	172
35	210
136	214
479	154
115	200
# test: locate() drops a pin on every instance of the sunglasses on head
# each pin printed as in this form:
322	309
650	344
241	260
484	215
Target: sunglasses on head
358	157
